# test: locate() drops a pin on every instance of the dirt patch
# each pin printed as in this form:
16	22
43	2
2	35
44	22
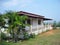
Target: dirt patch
51	32
48	33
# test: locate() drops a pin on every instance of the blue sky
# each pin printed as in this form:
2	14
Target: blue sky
47	8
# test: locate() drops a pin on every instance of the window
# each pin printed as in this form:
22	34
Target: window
28	21
39	22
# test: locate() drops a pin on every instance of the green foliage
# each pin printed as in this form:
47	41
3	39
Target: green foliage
32	35
15	21
2	22
26	36
56	24
3	36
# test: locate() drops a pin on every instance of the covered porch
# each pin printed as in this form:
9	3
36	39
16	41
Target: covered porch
37	25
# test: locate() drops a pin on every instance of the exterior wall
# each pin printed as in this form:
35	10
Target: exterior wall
35	28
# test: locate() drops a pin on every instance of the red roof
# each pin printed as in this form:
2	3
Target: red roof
33	15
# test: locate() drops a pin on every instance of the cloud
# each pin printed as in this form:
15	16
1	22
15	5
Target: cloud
14	3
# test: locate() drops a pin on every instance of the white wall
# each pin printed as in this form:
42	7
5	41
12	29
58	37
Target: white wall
35	28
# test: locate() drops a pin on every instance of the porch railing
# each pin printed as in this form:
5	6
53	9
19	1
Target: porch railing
38	28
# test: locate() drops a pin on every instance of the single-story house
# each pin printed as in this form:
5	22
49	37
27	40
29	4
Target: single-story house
36	23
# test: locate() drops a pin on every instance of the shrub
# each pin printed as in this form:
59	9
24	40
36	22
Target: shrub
3	36
26	36
32	35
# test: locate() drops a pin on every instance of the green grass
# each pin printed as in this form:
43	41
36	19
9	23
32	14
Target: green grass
41	39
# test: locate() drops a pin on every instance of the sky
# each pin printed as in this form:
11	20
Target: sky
47	8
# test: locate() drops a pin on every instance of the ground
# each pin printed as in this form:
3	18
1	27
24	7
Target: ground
51	37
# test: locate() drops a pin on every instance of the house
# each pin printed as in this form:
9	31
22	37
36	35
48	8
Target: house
36	23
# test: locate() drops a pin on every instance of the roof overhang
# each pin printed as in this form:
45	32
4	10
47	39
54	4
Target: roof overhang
33	15
46	19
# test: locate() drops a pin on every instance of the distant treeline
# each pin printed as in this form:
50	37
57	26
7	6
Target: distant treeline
56	24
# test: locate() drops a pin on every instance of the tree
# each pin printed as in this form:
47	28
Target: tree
54	24
2	23
15	22
58	24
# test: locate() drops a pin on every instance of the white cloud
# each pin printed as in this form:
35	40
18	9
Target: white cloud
12	3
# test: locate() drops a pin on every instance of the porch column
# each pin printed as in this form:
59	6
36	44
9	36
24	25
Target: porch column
45	27
42	25
31	28
31	25
48	26
26	26
37	27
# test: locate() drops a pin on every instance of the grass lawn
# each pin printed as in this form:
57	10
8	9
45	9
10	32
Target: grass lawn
51	37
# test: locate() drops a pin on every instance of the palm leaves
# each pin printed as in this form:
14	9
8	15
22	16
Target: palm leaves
2	22
15	22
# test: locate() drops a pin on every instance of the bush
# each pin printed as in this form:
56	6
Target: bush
32	35
26	36
3	36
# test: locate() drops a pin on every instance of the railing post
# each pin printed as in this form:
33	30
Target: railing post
42	25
